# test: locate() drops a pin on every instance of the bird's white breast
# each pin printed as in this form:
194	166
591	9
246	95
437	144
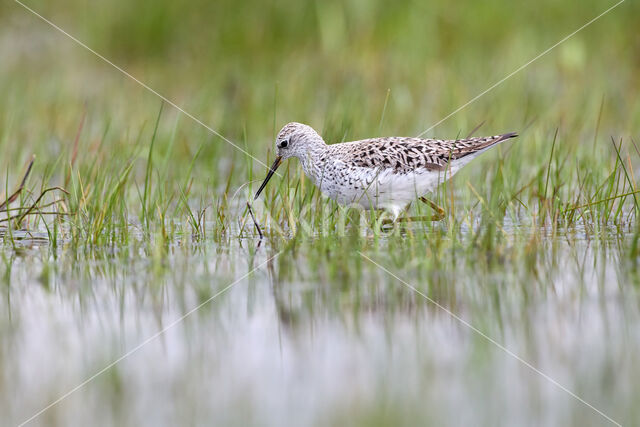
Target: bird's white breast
375	188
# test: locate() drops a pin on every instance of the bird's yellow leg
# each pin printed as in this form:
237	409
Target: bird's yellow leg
438	216
439	212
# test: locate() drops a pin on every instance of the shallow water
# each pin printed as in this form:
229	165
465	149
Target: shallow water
295	343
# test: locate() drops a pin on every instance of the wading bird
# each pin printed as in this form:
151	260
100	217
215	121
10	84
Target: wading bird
378	173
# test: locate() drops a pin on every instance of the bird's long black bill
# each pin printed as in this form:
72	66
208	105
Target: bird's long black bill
272	170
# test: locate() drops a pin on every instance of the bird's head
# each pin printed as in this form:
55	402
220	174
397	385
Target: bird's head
293	140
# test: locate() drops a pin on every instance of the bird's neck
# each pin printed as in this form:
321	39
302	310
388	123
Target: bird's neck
313	159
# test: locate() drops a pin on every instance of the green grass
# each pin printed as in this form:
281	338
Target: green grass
123	169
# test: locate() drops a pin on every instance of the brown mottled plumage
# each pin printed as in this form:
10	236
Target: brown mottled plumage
385	173
405	155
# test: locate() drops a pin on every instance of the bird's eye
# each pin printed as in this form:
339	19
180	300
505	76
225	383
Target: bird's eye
284	143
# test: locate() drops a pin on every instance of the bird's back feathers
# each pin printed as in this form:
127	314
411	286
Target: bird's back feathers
405	155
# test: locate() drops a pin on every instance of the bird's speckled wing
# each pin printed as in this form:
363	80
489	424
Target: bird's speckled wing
405	155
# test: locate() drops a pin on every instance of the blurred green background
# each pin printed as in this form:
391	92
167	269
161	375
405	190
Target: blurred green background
246	68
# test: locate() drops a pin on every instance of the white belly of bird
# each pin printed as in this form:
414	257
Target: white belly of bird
375	189
372	189
378	189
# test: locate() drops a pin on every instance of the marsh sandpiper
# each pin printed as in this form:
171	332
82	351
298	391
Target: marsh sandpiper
378	173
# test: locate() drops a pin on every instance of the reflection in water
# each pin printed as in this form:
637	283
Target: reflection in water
319	336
